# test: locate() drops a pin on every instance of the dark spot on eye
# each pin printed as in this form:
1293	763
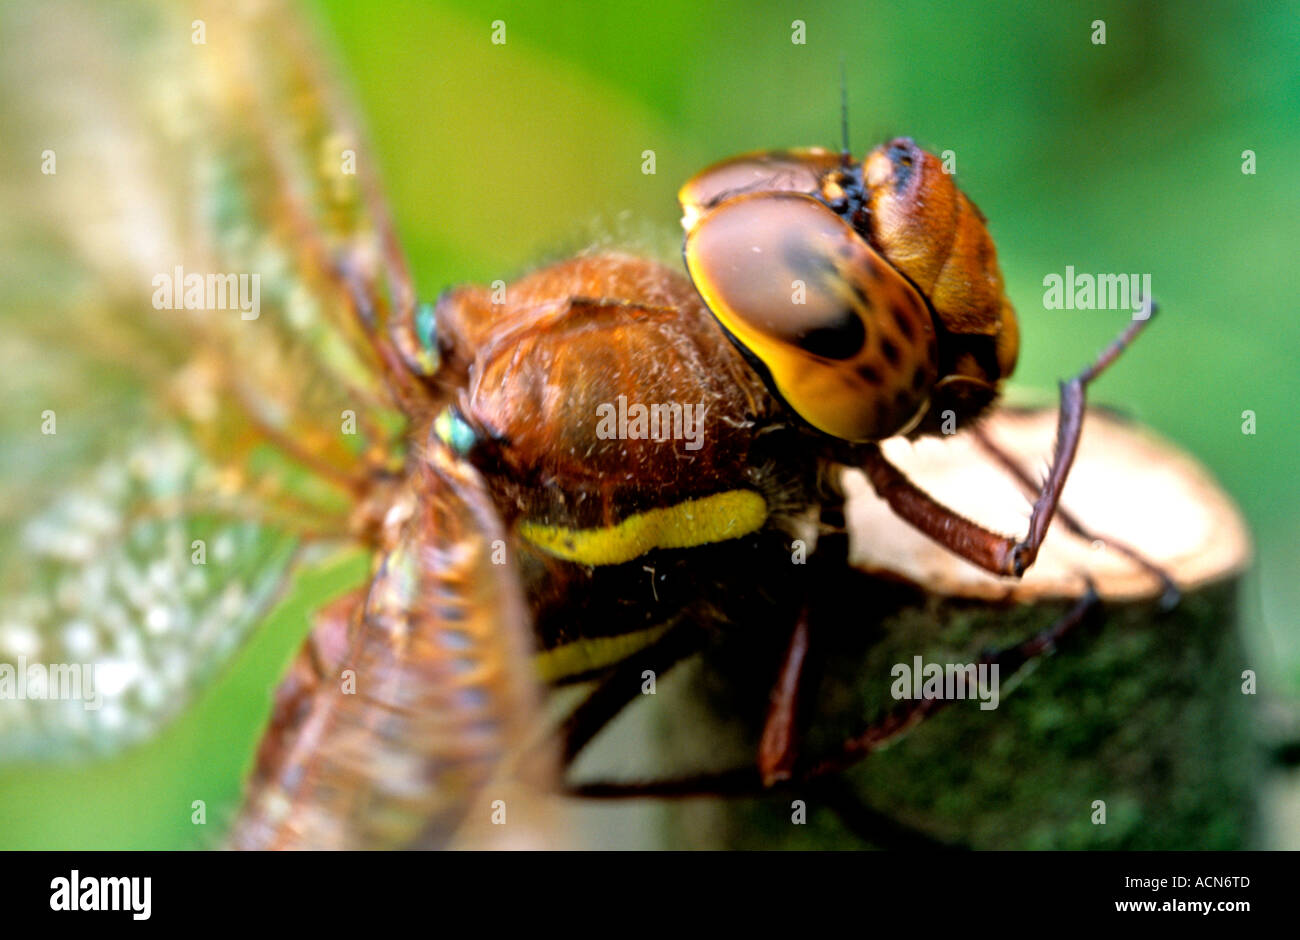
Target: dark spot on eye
806	260
891	352
904	324
842	339
918	379
869	375
846	250
861	296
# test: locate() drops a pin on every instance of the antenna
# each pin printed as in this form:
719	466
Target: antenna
845	155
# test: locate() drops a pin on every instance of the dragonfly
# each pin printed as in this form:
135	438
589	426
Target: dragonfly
202	240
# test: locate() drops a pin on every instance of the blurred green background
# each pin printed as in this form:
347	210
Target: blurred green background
1123	157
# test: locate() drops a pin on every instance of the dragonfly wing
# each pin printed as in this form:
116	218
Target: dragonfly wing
195	278
126	594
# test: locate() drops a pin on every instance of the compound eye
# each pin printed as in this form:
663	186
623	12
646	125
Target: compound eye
799	171
846	340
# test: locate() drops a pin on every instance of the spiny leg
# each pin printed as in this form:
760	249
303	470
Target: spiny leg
778	750
980	546
1068	428
1170	595
781	741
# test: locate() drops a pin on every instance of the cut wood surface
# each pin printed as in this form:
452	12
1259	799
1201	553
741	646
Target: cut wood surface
1128	485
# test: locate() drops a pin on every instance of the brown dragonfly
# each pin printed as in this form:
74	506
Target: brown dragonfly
517	460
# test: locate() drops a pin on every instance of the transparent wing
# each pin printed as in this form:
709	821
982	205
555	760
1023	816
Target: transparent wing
195	277
127	593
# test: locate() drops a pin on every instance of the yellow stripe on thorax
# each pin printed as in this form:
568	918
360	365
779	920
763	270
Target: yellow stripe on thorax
714	518
591	653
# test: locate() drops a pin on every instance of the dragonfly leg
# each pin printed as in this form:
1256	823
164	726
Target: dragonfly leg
996	553
911	713
1171	594
778	749
781	741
